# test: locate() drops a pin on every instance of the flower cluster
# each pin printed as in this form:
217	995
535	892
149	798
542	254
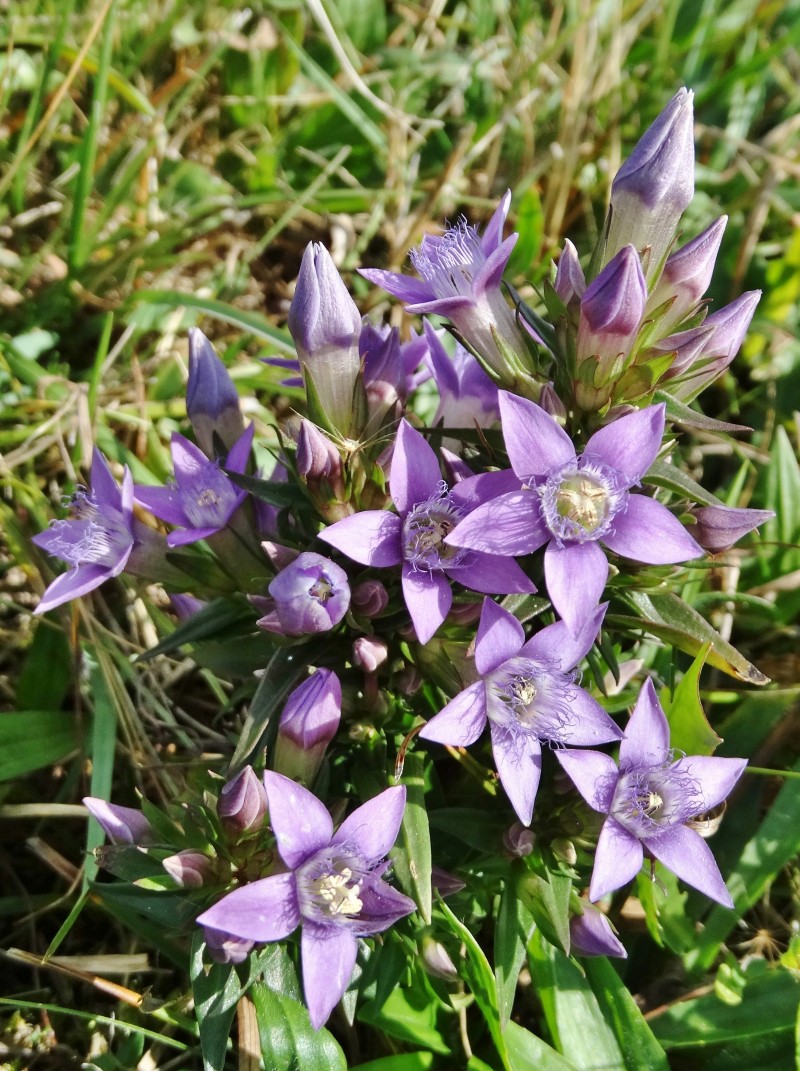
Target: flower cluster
442	579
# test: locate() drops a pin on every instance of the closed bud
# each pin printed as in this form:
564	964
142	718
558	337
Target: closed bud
687	276
518	840
189	869
242	803
317	457
570	282
729	329
551	403
212	403
564	850
718	527
308	723
369	598
369	653
655	185
223	947
437	961
122	825
310	595
591	934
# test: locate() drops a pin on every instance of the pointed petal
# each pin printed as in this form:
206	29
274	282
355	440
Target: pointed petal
685	853
715	777
490	274
462	721
646	741
500	636
381	907
428	598
184	536
104	486
264	910
519	765
492	575
475	490
240	451
536	443
592	725
328	955
404	287
163	502
594	774
373	827
444	371
371	537
300	822
187	459
71	585
509	525
556	643
493	232
415	474
648	532
441	306
631	443
576	576
618	859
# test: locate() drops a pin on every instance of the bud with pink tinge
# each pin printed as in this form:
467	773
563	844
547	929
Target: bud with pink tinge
242	803
308	723
687	276
122	825
719	527
189	869
212	403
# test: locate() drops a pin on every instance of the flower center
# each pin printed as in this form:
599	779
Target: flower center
329	888
531	697
338	893
648	801
208	498
581	500
321	590
449	263
425	529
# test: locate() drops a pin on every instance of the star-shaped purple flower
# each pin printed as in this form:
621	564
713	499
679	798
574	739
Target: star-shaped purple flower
414	537
96	540
528	694
333	887
202	500
572	502
650	800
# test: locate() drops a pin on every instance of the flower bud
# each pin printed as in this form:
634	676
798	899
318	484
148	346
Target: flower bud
518	840
310	595
224	947
189	869
384	373
437	961
242	803
719	527
654	185
326	327
591	934
444	883
551	403
212	403
408	681
308	723
729	328
687	276
186	606
564	850
369	653
370	598
316	454
570	282
122	825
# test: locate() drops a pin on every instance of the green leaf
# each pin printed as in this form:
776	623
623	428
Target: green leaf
252	322
529	225
547	899
407	1014
407	1061
216	989
635	1038
31	739
282	672
47	672
662	474
213	620
683	414
288	1040
573	1015
529	1053
512	933
282	495
689	727
412	857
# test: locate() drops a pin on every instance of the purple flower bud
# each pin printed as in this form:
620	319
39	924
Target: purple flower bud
551	403
369	653
437	961
316	454
408	680
591	934
242	803
189	869
212	403
570	282
687	275
186	606
224	947
719	527
311	595
687	347
326	326
122	825
370	598
654	185
729	329
309	721
384	372
444	883
518	840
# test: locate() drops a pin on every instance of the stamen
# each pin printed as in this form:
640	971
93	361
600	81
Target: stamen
533	697
425	529
654	798
450	262
581	499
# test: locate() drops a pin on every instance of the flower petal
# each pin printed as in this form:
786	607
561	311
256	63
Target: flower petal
685	853
428	598
618	859
104	487
510	525
240	451
630	444
593	724
492	575
371	537
328	956
646	740
648	532
163	502
404	287
415	474
715	777
493	232
557	644
519	765
372	828
264	910
500	636
475	490
490	274
462	721
300	822
576	576
536	443
78	581
381	907
594	775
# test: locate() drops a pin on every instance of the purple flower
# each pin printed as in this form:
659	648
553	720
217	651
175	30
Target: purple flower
414	536
655	185
202	500
461	276
591	934
96	541
466	394
527	693
333	887
242	803
122	825
570	502
719	527
729	326
212	403
650	801
310	595
308	723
